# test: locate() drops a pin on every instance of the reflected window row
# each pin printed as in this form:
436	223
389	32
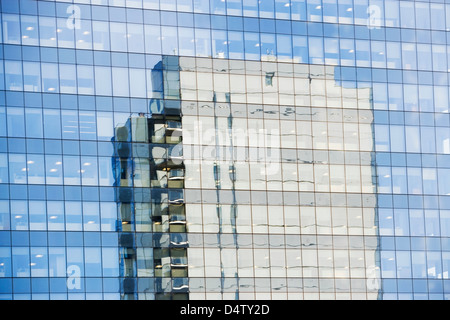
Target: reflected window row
417	223
400	180
56	170
422	15
283	90
40	262
23	262
141	83
20	122
414	264
431	242
41	238
398	114
395	233
100	149
409	118
147	287
167	40
40	287
307	285
411	139
263	219
82	125
276	176
58	215
258	219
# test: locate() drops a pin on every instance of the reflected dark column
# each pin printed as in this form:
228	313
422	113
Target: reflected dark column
149	180
222	163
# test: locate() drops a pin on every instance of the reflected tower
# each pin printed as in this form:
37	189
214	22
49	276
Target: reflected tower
149	173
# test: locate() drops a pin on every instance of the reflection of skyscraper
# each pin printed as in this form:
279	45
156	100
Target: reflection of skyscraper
233	201
288	196
279	199
149	173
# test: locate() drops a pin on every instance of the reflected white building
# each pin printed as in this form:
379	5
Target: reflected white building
274	181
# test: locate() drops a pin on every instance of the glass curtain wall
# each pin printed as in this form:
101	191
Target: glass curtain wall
292	149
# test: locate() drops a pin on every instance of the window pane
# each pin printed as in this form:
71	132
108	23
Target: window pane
120	82
13	75
70	126
88	127
47	31
35	169
152	39
2	121
54	169
100	33
21	262
103	81
3	170
19	215
85	77
52	124
186	40
135	37
203	42
38	215
118	36
66	36
30	35
11	29
89	171
16	122
137	83
72	170
32	76
55	214
50	81
83	35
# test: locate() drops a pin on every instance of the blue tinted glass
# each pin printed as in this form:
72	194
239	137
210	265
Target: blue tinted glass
10	7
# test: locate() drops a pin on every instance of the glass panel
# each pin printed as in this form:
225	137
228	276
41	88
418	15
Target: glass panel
11	29
55	212
100	33
89	171
35	169
13	75
50	81
135	37
72	170
30	32
47	31
85	79
38	215
103	81
83	34
186	41
20	262
5	262
16	122
152	39
120	82
57	262
19	215
203	42
32	76
118	36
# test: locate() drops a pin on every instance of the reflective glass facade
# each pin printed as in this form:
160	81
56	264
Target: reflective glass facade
224	149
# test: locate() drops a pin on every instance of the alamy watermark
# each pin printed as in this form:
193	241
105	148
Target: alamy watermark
237	145
73	277
374	20
74	19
